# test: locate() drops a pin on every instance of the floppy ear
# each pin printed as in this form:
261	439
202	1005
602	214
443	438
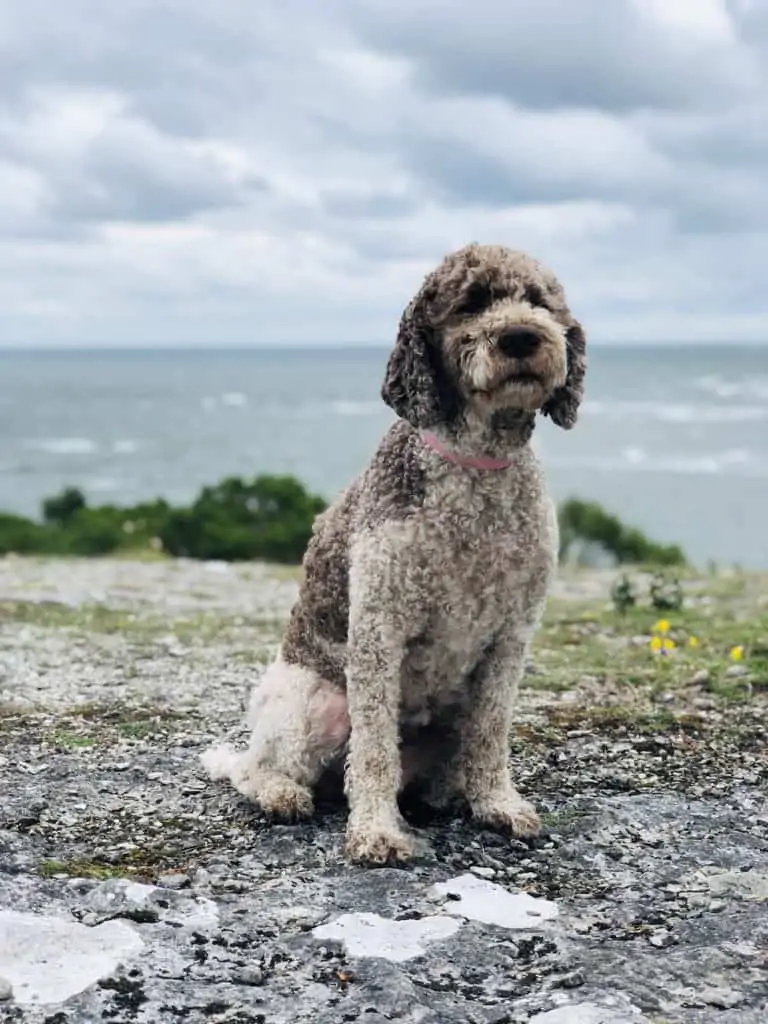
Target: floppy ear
417	385
563	406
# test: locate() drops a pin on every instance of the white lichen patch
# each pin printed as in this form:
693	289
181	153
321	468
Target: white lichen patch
368	935
481	900
584	1013
48	960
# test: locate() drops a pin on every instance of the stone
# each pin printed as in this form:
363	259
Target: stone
585	1013
722	998
173	881
49	960
370	935
6	990
249	976
735	672
488	903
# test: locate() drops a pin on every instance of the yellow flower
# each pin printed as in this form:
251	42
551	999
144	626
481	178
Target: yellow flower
669	645
662	626
693	641
737	652
656	643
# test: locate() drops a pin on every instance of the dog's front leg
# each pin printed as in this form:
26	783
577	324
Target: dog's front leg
484	743
377	635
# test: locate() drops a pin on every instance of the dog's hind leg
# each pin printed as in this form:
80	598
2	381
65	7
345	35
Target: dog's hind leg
299	724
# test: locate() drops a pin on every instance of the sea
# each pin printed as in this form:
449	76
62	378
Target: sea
674	440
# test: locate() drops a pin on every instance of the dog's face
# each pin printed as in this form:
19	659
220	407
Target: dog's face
489	330
503	345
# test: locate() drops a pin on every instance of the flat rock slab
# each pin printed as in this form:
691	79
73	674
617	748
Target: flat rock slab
133	891
47	960
651	908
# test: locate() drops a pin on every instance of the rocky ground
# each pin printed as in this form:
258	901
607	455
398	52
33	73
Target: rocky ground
132	890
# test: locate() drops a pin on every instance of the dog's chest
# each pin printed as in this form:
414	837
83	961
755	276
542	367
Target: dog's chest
481	545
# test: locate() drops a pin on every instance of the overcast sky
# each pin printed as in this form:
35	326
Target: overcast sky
234	171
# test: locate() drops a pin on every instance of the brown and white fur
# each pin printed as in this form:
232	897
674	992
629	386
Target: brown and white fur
425	581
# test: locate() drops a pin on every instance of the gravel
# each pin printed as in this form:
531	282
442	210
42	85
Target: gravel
655	854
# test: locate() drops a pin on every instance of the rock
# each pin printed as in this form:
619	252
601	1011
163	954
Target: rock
480	900
648	896
49	960
722	998
701	678
6	990
249	976
174	881
369	935
735	672
482	872
586	1013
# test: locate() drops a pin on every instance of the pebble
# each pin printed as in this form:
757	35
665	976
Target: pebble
482	872
6	990
249	976
701	678
174	881
735	672
661	938
722	998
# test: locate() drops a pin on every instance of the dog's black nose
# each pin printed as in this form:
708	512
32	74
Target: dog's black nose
519	342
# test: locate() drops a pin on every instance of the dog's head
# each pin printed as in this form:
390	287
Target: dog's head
489	330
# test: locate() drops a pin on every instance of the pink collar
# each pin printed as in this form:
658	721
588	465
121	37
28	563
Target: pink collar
468	461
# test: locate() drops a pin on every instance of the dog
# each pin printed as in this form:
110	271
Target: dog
424	583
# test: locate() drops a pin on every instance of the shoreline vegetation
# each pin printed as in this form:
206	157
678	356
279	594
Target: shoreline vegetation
269	518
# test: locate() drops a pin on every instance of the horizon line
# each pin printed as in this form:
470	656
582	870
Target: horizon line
339	346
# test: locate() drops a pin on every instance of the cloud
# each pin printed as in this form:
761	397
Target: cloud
195	173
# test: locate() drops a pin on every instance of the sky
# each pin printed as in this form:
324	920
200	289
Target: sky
179	172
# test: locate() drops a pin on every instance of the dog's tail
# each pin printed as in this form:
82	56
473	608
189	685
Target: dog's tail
221	762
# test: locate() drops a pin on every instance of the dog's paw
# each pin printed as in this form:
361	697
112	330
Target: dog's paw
279	796
513	816
378	845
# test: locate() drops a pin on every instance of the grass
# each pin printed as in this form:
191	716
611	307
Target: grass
589	642
93	725
585	647
80	868
205	627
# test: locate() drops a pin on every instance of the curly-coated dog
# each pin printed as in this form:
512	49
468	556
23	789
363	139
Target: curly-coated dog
425	581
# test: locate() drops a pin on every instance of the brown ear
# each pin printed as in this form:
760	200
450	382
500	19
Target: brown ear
417	385
563	406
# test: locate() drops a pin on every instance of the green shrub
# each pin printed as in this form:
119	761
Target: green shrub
20	536
588	522
59	509
269	518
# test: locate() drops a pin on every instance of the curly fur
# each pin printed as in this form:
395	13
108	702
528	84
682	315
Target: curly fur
425	581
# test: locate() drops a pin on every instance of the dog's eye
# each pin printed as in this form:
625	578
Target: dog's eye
534	295
478	297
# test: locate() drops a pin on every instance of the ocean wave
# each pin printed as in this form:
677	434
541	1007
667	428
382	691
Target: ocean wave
63	445
676	412
231	399
746	387
352	408
731	462
125	447
236	399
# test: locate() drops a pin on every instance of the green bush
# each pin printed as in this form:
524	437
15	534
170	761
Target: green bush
268	518
586	522
20	536
60	509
